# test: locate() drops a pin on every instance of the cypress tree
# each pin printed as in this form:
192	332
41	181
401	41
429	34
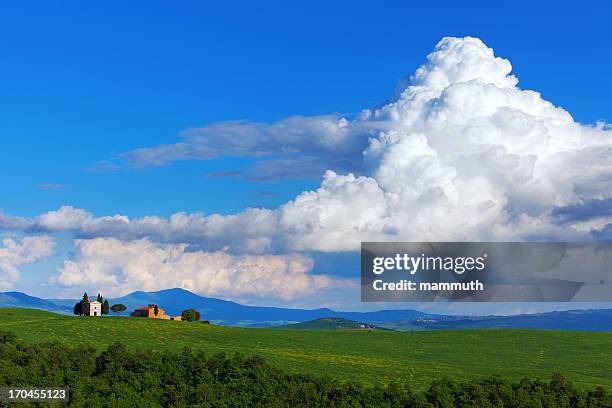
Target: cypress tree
78	309
85	304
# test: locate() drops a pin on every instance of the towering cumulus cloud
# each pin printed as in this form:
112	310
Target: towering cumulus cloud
462	154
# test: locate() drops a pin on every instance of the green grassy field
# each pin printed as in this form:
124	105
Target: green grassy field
367	356
331	323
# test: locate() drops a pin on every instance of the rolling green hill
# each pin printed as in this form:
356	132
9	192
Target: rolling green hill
370	356
331	323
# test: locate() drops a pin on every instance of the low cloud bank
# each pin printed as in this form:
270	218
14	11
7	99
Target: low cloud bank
22	251
116	267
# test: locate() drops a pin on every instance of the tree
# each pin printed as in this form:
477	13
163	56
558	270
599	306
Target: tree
119	307
105	307
156	310
99	298
78	309
187	315
190	315
85	304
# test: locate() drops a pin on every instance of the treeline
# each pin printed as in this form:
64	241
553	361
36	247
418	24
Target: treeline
122	377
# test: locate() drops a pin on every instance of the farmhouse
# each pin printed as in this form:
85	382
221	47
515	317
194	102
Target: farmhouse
95	308
152	312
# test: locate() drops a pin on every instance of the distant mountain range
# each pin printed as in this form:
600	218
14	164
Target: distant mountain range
19	299
173	301
224	312
589	320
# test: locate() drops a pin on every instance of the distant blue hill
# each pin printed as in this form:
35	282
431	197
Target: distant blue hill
224	312
590	320
173	301
19	299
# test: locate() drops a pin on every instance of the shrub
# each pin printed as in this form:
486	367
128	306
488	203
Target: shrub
190	315
119	307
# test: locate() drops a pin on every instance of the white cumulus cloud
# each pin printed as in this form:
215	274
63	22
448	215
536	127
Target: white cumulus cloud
117	267
17	252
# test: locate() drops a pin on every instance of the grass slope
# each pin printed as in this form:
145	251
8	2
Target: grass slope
331	323
370	356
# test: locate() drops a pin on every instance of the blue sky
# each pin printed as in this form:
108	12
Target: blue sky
83	84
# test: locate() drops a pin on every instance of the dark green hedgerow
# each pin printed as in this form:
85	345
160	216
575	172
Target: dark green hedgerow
122	377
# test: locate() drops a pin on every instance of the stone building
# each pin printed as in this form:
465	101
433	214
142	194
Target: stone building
95	308
149	312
